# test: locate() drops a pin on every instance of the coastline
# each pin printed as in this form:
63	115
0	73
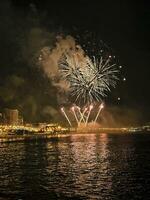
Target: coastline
34	136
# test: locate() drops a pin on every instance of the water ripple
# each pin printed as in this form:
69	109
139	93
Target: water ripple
92	166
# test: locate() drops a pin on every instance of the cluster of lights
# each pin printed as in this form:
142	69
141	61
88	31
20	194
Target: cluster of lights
13	128
7	128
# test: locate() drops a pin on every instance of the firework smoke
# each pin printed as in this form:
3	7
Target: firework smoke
49	59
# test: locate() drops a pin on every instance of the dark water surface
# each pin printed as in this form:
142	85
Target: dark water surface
90	166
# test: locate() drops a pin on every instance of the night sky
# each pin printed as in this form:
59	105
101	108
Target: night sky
123	25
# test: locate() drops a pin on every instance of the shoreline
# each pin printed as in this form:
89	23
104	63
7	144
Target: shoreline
6	137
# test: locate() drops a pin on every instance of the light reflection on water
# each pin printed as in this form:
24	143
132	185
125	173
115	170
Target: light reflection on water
82	166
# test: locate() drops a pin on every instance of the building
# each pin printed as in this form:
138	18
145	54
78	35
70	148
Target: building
11	116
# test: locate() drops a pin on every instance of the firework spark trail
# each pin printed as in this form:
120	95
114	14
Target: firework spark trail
99	111
68	120
88	115
82	115
75	115
89	80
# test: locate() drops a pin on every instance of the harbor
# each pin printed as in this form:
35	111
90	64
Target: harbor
32	133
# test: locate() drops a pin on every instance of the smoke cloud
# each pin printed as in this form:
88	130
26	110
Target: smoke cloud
49	58
118	116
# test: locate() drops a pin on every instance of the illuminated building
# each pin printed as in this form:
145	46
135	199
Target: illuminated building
11	116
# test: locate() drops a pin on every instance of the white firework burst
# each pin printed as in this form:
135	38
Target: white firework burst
89	80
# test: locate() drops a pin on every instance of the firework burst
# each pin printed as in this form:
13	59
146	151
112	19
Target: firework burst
89	80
